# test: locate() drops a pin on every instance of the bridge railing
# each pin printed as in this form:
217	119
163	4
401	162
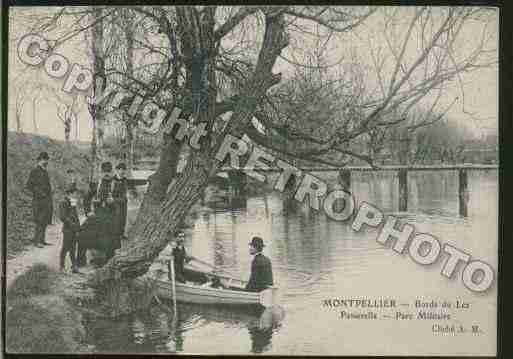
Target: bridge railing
469	167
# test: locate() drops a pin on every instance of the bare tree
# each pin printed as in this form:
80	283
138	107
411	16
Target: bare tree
405	77
96	28
130	125
66	113
18	107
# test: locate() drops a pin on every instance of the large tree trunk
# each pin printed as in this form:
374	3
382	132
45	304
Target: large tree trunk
130	128
158	186
130	144
168	199
100	84
93	154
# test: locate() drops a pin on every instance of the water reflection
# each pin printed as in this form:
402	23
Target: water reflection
260	339
313	258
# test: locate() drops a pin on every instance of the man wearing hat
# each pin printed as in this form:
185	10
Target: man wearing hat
104	209
105	189
119	193
261	269
70	227
42	203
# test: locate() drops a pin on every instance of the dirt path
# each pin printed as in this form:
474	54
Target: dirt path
48	255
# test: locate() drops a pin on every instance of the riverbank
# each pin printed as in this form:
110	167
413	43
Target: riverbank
45	307
21	158
38	293
39	319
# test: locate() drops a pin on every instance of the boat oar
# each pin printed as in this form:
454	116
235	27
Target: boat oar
211	266
220	273
171	267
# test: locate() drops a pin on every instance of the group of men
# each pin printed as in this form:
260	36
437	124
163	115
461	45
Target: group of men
105	208
104	227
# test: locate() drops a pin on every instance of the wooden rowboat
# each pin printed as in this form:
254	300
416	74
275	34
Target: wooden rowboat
191	292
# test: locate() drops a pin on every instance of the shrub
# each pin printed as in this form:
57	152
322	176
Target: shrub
37	320
37	280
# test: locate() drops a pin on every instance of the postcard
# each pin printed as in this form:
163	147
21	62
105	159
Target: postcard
283	180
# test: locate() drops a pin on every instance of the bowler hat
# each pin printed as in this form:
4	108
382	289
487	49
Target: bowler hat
257	242
43	156
106	167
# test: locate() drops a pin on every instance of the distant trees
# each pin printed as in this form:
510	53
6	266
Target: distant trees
67	114
34	92
440	140
27	93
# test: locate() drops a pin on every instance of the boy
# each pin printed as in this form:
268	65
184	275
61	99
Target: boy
70	227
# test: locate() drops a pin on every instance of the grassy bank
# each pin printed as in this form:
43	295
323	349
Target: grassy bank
38	320
22	151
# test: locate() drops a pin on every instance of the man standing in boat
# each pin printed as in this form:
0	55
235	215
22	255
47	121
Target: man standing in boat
261	268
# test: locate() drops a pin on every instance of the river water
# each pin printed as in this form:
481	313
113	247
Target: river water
315	258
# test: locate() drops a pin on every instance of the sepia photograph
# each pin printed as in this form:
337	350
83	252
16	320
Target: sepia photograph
236	180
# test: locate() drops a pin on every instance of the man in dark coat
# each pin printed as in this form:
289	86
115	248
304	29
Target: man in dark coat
42	203
104	212
70	227
119	193
97	231
261	269
91	237
180	257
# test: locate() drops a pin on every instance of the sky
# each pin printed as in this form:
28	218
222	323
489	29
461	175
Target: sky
480	88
